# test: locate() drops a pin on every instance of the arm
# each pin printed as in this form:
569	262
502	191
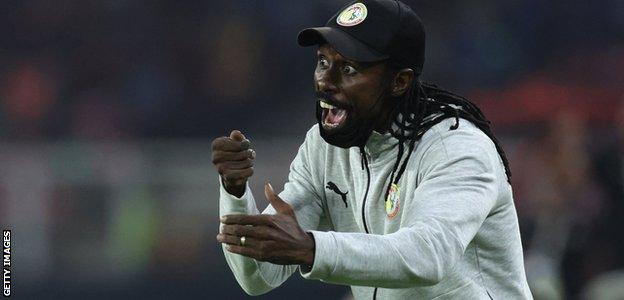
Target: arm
258	277
456	192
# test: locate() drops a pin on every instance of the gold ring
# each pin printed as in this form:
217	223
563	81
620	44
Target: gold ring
242	241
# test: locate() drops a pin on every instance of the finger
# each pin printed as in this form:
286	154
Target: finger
256	220
236	240
233	175
227	144
229	239
258	232
221	156
224	167
280	205
237	135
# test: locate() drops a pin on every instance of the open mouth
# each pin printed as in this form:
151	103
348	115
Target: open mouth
333	117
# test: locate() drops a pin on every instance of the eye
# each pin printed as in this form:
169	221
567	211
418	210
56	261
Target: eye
349	70
322	62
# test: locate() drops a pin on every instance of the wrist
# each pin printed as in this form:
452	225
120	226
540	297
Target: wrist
237	190
309	256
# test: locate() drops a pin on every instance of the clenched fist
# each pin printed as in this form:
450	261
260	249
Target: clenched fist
233	158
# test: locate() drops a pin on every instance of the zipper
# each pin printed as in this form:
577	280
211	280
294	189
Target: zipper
365	193
365	164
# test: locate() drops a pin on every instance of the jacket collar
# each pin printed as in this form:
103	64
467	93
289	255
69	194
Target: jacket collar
379	144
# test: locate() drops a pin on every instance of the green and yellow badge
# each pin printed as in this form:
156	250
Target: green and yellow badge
392	202
352	15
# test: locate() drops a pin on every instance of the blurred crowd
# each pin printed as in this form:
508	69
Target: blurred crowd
115	77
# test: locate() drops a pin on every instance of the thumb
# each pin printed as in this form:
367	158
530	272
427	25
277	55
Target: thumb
280	205
237	136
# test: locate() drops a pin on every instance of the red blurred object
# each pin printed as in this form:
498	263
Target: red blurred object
29	93
538	98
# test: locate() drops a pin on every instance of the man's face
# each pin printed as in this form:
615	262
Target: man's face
348	90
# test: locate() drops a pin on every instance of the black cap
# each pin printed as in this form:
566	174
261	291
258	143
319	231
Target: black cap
373	30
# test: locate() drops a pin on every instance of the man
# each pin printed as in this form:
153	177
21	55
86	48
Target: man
400	190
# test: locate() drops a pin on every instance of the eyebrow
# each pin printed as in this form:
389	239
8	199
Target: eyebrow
360	64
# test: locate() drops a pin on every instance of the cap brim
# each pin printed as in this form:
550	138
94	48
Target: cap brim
342	42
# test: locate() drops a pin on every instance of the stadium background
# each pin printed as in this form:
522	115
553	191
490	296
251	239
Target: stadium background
108	108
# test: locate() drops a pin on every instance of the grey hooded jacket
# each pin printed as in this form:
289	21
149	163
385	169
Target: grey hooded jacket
452	234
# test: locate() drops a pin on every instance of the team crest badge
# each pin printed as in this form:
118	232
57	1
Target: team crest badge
352	15
392	202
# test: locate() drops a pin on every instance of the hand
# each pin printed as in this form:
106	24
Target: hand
274	238
233	159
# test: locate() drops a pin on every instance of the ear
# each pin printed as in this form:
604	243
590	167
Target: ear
401	82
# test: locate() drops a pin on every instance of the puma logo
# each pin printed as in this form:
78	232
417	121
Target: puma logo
332	186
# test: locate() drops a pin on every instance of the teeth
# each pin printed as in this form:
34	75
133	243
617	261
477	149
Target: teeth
327	105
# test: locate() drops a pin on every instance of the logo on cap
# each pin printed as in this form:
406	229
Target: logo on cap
352	15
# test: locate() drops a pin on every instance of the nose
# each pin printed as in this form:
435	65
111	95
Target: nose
325	81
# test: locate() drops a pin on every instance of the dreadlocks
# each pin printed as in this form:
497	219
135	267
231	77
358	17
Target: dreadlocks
426	105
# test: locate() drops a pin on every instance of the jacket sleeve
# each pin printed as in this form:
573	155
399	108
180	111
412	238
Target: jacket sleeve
256	277
457	190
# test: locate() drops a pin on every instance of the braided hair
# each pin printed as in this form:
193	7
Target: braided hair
425	105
